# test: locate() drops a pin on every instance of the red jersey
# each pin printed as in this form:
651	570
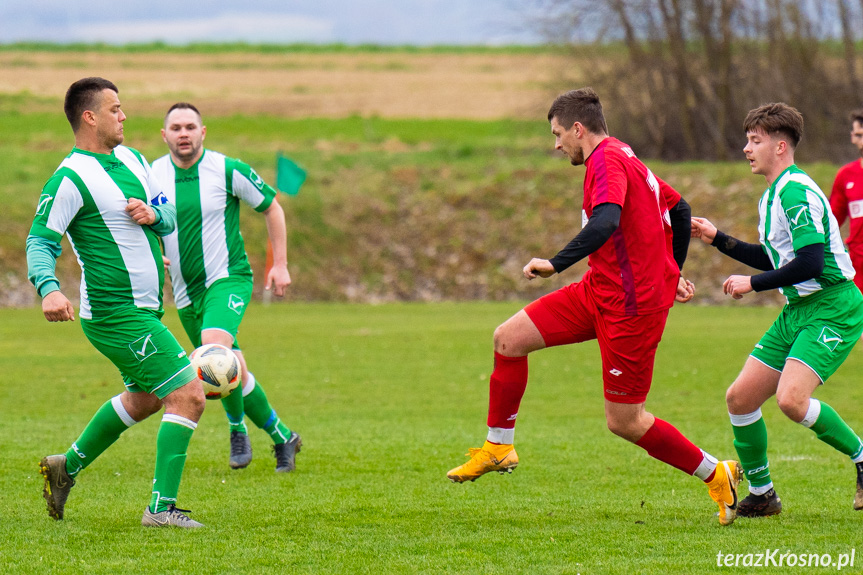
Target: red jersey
634	272
846	200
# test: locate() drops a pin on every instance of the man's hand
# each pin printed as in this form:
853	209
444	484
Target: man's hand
56	307
166	263
703	230
736	286
141	212
538	268
279	278
685	290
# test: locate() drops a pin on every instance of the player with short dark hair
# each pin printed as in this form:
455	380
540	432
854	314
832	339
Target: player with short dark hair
105	198
846	198
210	273
635	235
800	253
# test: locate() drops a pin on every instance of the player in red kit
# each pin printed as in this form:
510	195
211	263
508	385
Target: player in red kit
635	234
846	199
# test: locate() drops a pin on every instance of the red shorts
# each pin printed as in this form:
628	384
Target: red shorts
627	343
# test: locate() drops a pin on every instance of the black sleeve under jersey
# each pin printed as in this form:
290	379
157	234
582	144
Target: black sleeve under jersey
808	263
602	223
681	227
750	254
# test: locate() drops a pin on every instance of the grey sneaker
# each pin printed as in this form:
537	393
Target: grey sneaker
241	450
285	453
171	517
57	483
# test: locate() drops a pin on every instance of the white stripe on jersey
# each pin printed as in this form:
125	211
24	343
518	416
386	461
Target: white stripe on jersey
67	203
129	236
211	170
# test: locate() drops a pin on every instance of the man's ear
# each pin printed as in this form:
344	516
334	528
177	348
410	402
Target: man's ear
89	117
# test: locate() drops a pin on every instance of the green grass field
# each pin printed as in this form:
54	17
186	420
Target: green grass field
387	399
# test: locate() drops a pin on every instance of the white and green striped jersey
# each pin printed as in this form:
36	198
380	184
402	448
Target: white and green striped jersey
121	263
207	245
795	213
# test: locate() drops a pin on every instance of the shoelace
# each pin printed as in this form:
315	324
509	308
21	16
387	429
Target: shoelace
237	444
282	457
174	510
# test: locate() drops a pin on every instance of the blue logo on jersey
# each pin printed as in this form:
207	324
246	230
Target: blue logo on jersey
160	199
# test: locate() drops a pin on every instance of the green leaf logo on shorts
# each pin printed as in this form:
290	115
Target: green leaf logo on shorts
236	304
143	347
798	216
829	338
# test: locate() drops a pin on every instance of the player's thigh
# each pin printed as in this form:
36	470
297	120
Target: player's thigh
628	347
564	316
190	318
147	354
224	305
829	328
773	347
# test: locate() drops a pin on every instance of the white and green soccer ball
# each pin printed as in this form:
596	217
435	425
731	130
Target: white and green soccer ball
218	369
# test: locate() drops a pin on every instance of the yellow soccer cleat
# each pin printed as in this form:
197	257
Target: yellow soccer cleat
490	457
723	490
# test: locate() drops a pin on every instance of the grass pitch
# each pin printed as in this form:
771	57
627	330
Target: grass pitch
387	399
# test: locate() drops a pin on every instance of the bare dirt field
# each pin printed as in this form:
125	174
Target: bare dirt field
388	84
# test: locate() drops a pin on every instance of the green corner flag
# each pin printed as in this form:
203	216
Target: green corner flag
289	176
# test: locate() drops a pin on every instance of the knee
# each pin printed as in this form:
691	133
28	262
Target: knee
196	405
732	399
737	401
140	406
792	405
501	339
624	429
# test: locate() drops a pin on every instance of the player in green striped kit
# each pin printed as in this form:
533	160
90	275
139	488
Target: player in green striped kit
210	273
105	198
802	254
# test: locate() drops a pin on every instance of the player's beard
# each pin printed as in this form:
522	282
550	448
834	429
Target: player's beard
185	156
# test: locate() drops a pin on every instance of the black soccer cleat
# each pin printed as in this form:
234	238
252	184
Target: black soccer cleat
241	450
286	452
761	505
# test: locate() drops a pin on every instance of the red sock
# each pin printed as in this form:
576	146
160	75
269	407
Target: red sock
664	442
506	388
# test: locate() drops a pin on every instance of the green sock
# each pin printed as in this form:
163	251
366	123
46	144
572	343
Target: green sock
171	445
832	430
750	441
233	405
103	430
264	416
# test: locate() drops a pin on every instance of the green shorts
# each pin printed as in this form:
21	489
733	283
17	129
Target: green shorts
221	307
146	353
819	332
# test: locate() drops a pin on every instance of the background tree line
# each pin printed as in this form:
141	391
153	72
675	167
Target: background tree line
688	71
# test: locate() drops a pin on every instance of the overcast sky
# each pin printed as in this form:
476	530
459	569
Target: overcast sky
419	22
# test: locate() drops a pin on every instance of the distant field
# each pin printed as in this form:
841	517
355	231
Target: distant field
387	399
297	82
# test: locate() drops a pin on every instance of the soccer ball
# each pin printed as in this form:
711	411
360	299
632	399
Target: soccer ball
218	369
